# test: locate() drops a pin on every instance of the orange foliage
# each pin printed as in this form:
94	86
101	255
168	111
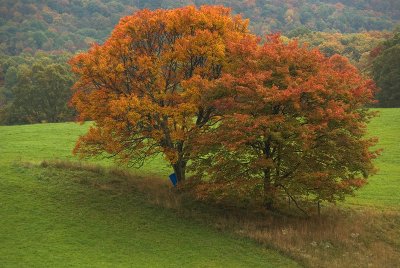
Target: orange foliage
147	87
294	125
193	84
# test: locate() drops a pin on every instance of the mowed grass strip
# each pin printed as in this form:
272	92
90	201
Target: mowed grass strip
51	217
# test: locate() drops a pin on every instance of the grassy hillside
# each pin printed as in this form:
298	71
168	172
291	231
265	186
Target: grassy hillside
58	217
53	217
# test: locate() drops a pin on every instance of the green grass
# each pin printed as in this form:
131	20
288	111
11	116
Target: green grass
55	141
383	188
53	217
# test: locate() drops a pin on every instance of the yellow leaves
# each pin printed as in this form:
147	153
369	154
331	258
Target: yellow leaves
203	43
285	39
195	87
152	76
120	68
181	19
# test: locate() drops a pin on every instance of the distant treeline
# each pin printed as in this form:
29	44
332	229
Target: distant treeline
35	89
376	54
71	25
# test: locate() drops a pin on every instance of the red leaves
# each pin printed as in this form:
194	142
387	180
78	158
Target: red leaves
292	121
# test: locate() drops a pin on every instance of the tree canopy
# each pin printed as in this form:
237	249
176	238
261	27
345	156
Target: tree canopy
147	87
265	120
293	125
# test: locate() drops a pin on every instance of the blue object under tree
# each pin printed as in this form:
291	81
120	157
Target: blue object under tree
173	179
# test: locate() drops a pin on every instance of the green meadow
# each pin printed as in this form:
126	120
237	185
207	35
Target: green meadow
52	217
383	188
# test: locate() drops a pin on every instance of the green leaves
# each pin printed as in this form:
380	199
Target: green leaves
386	72
37	90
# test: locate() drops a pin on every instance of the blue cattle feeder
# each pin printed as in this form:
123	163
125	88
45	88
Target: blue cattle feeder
173	179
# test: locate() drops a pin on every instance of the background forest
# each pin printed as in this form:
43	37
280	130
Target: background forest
39	36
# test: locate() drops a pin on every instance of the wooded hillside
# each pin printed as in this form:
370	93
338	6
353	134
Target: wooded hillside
72	25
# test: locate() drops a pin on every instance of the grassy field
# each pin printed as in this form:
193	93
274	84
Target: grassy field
384	188
52	217
40	142
59	217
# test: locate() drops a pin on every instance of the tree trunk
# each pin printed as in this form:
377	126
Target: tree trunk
269	190
180	170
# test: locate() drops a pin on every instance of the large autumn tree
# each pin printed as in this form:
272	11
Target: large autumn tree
293	125
147	87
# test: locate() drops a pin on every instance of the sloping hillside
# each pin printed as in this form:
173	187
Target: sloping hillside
52	217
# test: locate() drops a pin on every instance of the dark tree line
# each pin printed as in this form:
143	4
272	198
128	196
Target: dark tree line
386	71
35	89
